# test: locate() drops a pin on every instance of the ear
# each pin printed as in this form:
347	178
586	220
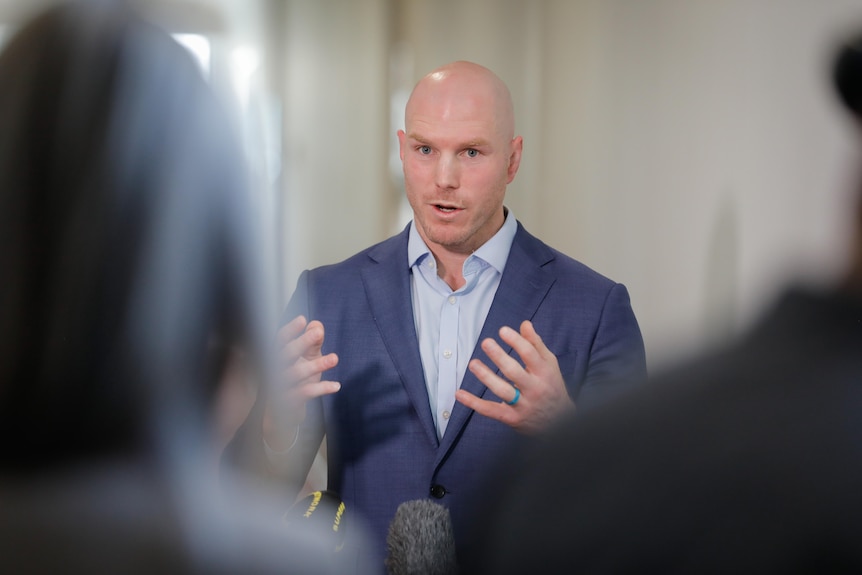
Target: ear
515	158
402	139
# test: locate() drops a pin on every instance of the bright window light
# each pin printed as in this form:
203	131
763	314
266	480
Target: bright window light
199	46
245	61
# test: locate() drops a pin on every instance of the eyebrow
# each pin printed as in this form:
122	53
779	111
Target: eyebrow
475	143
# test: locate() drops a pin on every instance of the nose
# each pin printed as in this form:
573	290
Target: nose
448	172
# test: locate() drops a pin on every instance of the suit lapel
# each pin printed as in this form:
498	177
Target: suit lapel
521	291
386	278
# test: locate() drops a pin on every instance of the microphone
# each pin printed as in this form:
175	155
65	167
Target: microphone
420	540
322	513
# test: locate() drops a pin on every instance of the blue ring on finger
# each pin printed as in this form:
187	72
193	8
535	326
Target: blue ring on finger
516	398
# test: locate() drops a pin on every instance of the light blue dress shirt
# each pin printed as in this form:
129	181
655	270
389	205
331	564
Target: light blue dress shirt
448	322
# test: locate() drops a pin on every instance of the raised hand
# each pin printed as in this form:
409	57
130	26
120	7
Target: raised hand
533	393
302	365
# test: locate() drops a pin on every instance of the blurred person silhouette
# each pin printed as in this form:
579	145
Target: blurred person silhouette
418	392
746	459
130	274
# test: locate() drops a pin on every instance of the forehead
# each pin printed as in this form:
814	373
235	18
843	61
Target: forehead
459	116
451	132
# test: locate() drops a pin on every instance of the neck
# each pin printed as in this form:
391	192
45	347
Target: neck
450	267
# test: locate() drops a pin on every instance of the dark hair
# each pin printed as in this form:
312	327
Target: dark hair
126	245
847	73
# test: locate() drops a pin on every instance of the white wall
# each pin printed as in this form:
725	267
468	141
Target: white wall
725	159
712	159
335	110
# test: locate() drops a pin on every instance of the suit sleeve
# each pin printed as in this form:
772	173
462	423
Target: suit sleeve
617	356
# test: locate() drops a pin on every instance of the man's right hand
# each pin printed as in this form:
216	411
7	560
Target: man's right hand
302	365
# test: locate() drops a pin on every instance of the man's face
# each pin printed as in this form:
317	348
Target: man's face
457	164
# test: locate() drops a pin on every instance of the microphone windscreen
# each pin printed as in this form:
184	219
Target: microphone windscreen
321	512
420	540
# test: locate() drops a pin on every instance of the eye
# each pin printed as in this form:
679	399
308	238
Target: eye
471	153
425	150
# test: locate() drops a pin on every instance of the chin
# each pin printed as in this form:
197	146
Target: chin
452	244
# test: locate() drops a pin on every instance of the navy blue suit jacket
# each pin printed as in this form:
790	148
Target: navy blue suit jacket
382	444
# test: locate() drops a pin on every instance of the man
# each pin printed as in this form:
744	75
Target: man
412	406
748	460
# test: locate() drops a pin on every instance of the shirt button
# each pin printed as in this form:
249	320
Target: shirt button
447	353
446	415
452	299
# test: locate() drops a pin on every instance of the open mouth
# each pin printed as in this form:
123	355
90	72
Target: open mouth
446	209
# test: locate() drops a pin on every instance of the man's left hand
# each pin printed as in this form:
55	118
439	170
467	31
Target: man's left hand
541	391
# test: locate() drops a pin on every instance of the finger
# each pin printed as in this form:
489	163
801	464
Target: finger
314	334
301	370
307	345
528	331
525	348
308	391
479	405
291	403
538	359
499	386
493	409
291	330
509	366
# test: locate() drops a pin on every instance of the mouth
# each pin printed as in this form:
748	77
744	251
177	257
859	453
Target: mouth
445	208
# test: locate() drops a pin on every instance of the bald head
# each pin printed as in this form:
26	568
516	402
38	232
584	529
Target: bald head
463	88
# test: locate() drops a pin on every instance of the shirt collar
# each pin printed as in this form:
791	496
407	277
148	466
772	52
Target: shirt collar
495	251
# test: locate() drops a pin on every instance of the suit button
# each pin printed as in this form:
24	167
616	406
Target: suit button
438	491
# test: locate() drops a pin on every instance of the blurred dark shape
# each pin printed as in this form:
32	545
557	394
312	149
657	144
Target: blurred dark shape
420	540
130	272
124	229
847	74
747	459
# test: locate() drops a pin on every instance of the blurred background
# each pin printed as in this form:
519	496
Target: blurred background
692	150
